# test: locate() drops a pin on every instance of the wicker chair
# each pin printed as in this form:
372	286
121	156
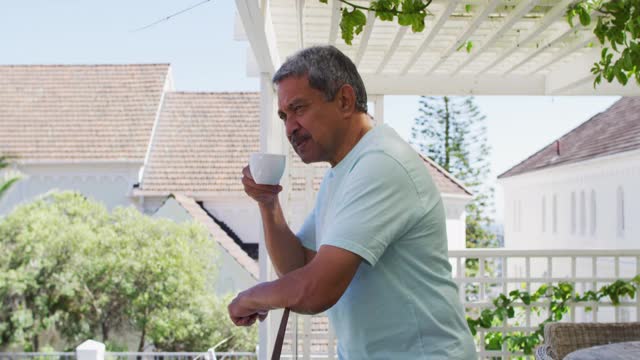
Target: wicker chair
563	338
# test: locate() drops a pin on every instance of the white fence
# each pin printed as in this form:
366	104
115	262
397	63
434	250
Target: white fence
132	356
501	271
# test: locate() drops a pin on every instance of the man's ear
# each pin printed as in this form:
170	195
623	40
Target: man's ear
346	97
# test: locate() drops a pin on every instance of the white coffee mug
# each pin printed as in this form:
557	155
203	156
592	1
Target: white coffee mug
267	169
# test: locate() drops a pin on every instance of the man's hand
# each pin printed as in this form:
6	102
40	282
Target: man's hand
242	314
263	194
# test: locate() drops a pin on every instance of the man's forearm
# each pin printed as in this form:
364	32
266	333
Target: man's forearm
285	250
292	291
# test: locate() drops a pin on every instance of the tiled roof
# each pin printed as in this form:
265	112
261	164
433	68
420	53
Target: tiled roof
445	182
613	131
79	112
233	249
202	142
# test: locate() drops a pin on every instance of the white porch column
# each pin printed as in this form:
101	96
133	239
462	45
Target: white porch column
272	140
378	108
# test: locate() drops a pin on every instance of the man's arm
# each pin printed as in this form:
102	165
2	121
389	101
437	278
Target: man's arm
311	289
285	250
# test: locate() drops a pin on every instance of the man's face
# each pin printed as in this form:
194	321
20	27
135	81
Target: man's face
312	124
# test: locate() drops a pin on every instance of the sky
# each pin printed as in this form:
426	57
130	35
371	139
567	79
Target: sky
200	46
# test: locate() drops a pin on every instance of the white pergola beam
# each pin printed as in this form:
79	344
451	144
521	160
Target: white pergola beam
366	34
585	88
541	50
520	10
467	33
572	74
392	50
300	22
437	84
432	34
335	20
553	15
566	52
259	31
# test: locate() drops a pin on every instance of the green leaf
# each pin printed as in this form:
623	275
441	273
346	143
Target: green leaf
585	18
384	9
352	22
469	46
467	8
570	14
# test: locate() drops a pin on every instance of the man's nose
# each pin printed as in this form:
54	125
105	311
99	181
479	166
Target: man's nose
291	126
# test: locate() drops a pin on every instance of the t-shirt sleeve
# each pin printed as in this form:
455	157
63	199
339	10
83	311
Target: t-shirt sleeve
378	203
307	233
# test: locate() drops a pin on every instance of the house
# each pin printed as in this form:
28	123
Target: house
581	190
120	134
81	127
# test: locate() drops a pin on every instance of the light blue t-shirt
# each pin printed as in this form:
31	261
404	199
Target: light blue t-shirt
380	203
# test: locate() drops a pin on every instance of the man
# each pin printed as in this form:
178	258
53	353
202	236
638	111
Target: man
374	250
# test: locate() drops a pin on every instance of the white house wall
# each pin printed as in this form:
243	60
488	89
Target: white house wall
107	183
603	176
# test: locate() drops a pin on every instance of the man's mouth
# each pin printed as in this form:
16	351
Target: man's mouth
298	143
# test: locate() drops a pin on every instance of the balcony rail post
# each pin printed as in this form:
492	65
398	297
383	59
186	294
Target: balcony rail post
90	350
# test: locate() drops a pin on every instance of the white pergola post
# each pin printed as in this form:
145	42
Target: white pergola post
378	108
256	21
272	140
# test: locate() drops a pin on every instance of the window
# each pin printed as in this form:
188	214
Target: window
583	213
554	214
519	215
573	212
515	215
592	213
544	214
620	210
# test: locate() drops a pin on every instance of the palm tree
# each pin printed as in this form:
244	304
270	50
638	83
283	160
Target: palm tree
6	183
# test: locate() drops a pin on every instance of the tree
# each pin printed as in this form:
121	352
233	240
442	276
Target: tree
6	183
203	325
67	264
451	131
37	278
618	27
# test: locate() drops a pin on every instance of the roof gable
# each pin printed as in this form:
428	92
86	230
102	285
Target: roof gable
613	131
79	112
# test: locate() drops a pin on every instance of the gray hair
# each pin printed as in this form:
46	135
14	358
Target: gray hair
327	70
